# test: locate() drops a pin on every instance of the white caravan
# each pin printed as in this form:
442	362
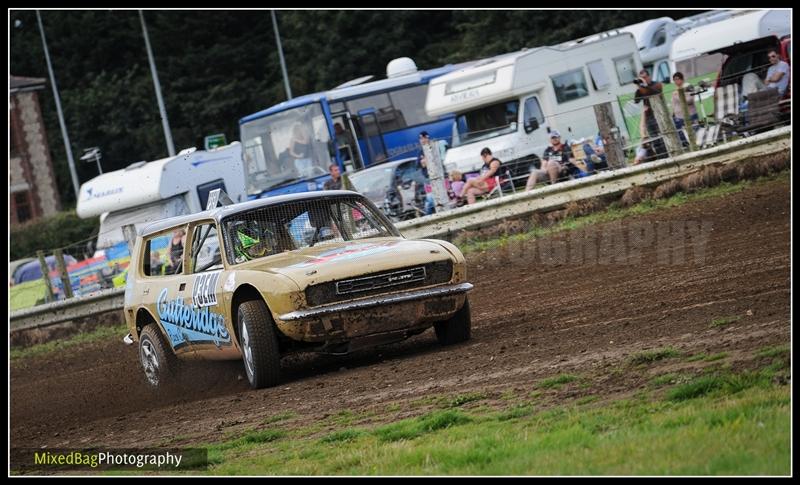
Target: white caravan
511	102
699	50
150	191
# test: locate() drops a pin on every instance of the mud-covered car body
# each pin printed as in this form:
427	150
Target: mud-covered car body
331	270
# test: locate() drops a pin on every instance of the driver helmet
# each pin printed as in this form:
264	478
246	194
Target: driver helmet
248	242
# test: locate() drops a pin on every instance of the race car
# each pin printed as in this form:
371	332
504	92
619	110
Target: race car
318	271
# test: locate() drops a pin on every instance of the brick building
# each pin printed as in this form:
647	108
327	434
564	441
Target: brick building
32	188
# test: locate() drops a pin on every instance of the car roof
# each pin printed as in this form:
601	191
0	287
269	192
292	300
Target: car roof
393	163
220	213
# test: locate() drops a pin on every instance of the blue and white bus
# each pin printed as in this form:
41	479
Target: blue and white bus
289	147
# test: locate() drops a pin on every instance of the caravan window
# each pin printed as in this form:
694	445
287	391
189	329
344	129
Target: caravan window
570	85
487	122
599	76
662	73
626	70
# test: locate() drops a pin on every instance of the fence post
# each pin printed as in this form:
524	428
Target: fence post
436	173
612	144
62	271
48	295
687	120
665	125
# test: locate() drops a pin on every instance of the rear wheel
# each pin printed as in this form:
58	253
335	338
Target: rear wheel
158	361
259	344
457	328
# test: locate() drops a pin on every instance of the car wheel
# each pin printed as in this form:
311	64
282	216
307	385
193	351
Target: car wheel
457	328
262	360
158	361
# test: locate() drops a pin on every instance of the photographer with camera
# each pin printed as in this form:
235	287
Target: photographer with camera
645	90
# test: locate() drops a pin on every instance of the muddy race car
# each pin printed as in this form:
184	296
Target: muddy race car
324	272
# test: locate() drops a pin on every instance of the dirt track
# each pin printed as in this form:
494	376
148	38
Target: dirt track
532	318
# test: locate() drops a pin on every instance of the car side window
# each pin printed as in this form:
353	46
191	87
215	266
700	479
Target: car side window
163	253
206	254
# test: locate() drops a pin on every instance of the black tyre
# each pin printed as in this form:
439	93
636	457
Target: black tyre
158	361
259	344
457	328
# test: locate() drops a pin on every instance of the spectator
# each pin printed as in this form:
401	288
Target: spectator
424	186
155	263
778	73
175	251
678	116
456	181
645	90
484	183
557	162
335	182
425	139
300	149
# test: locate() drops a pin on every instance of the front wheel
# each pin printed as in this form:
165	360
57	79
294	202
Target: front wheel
457	328
262	360
158	361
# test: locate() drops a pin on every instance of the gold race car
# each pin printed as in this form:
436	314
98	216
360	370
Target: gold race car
320	271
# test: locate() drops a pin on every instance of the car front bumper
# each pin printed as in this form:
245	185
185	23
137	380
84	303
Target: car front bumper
368	316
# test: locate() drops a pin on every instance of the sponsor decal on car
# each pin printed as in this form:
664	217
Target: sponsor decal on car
185	323
352	251
204	289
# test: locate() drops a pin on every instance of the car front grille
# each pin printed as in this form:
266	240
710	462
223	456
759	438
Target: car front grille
373	284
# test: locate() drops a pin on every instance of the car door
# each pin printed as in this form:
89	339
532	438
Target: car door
211	326
162	288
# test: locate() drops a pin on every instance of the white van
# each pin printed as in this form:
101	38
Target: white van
511	102
149	191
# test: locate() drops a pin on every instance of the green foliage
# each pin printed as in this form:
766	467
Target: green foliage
722	321
218	66
557	381
651	356
57	231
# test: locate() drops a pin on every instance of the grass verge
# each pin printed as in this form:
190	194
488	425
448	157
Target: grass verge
99	333
720	424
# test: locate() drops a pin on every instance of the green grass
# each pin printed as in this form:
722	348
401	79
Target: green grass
723	321
613	213
557	381
776	351
650	356
732	424
276	418
463	399
719	356
100	333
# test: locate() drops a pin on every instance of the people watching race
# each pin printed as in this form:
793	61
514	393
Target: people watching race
485	182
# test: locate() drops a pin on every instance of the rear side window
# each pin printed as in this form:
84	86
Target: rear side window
163	253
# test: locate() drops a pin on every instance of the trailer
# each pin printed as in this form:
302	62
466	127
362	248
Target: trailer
510	103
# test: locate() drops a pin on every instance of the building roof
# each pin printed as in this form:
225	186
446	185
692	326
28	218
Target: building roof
20	83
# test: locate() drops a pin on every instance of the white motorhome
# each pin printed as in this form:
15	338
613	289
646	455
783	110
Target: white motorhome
149	191
655	37
702	50
511	102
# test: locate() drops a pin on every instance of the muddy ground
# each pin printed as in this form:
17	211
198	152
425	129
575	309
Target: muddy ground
581	303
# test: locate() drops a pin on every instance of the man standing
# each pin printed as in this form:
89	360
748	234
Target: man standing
335	182
648	88
778	73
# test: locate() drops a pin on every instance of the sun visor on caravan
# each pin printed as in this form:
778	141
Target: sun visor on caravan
463	90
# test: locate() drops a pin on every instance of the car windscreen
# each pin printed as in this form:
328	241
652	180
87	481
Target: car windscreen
295	225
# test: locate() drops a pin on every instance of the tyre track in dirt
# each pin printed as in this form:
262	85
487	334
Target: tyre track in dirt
531	320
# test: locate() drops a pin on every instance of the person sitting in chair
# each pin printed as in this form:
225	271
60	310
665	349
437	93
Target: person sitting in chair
484	183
